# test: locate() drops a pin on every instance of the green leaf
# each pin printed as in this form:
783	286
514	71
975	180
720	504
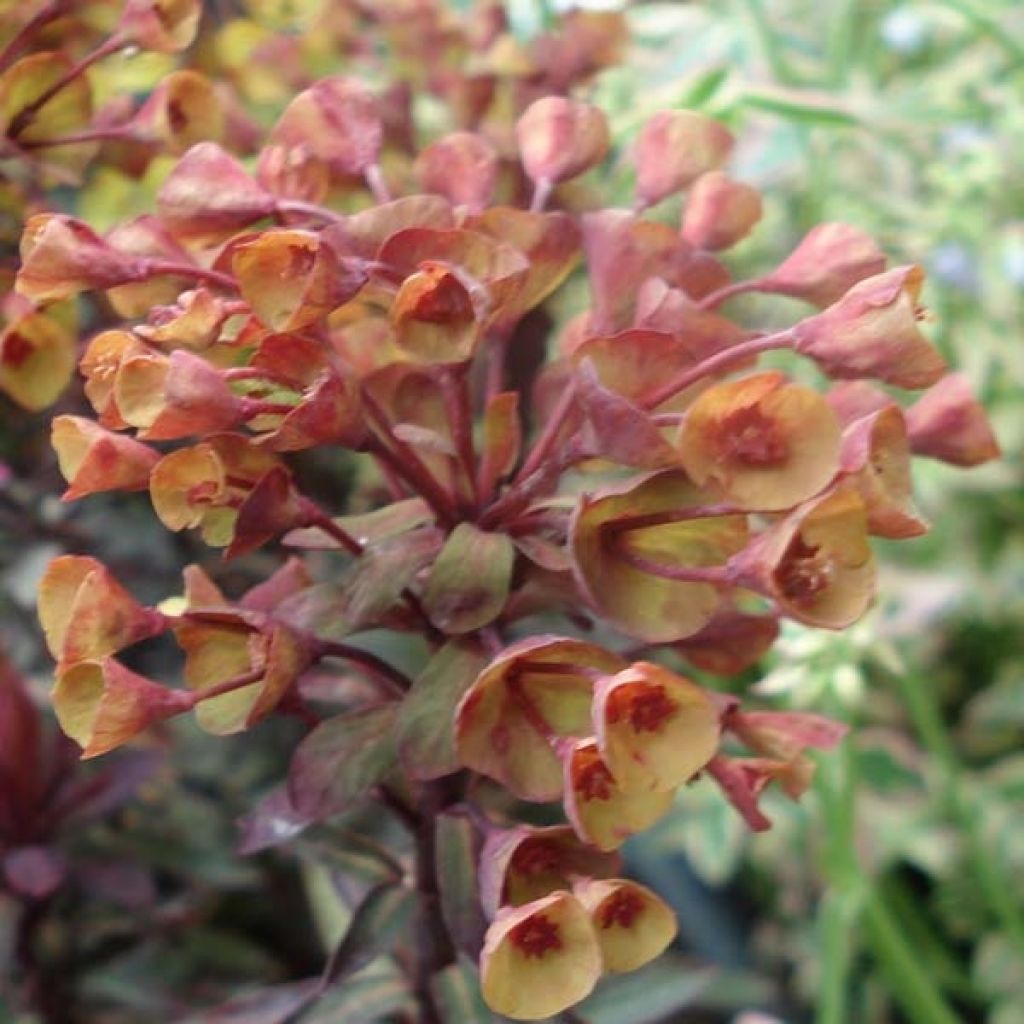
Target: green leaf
645	996
275	1004
378	921
426	719
342	759
468	584
457	853
352	854
456	991
371	997
799	105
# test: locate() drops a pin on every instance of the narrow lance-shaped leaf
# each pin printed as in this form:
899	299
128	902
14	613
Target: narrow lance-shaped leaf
426	719
457	855
341	759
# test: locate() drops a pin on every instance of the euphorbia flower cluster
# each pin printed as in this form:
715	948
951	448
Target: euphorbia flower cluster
566	539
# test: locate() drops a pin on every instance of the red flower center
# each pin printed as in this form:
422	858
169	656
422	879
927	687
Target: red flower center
535	936
620	909
536	857
16	349
650	708
592	780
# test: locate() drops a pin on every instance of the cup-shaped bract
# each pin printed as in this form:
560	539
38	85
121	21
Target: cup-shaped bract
462	167
633	925
146	238
830	259
165	26
522	864
762	442
876	455
204	485
872	331
532	693
86	614
182	111
816	562
601	811
100	364
720	211
292	278
560	138
338	121
102	705
193	321
655	729
731	642
434	316
62	256
210	196
94	459
540	958
607	539
37	360
674	148
948	423
167	397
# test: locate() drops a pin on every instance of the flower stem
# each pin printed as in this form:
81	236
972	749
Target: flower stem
549	435
717	363
396	681
714	299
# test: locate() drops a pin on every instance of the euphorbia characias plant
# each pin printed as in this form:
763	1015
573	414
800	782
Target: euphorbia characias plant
565	542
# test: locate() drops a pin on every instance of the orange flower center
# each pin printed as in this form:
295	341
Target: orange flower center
805	571
749	436
620	909
436	296
535	936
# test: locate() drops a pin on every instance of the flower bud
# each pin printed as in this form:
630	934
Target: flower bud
632	924
102	704
560	138
674	148
86	614
948	423
100	364
338	120
872	332
720	212
210	195
462	167
761	442
93	459
655	729
830	259
539	959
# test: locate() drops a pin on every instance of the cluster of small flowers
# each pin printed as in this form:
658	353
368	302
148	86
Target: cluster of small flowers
663	498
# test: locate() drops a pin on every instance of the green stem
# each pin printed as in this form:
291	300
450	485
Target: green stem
993	880
910	985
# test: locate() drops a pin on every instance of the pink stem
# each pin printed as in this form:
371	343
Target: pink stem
714	299
717	363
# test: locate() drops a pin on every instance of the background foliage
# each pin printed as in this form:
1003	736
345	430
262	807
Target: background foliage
898	892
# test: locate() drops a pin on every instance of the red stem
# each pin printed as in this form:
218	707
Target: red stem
717	363
721	575
304	209
114	133
49	13
376	183
714	299
396	682
455	382
549	435
614	527
228	686
155	267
